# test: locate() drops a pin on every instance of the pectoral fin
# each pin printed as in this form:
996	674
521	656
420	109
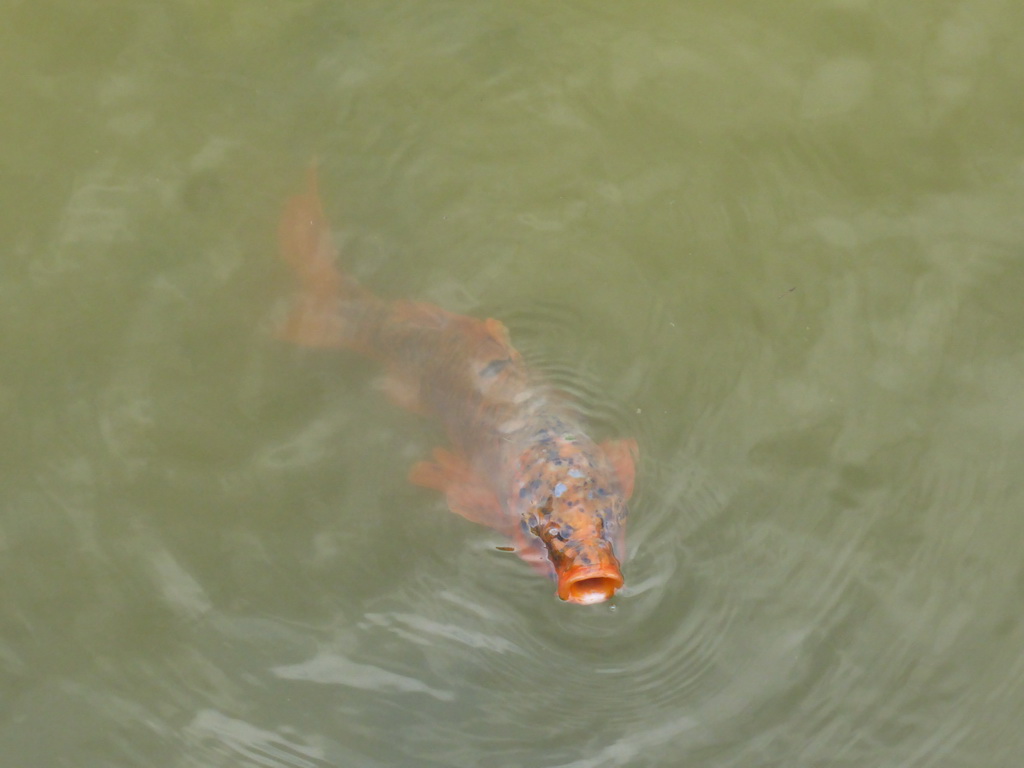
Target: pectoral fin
467	494
622	455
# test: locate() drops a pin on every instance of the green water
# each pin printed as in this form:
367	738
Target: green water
780	244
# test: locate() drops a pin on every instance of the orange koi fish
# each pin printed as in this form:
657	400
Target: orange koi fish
520	461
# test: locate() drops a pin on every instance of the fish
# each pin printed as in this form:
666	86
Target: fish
519	458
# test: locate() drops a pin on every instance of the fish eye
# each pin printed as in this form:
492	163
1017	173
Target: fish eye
554	532
549	532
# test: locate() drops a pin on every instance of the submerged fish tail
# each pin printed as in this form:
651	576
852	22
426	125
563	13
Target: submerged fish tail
331	309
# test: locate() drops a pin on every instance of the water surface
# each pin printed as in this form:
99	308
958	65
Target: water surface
782	247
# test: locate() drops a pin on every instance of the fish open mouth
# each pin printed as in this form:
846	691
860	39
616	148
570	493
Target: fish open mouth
586	586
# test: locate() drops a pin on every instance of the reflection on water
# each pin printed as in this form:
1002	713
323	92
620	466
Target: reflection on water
781	248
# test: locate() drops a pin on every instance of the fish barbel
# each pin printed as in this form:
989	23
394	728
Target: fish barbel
520	461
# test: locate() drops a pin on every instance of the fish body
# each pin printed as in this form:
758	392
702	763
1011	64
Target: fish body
519	460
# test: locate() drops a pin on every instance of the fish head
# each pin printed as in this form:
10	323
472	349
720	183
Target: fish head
571	495
583	540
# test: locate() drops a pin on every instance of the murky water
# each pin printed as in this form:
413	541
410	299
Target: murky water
783	247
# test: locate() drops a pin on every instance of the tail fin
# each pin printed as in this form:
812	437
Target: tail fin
304	239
